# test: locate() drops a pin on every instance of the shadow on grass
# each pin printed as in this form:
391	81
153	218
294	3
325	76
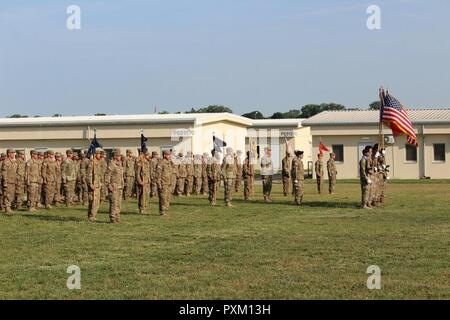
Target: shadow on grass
53	218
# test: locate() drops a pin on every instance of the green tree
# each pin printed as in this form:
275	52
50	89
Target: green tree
100	114
16	115
277	115
254	115
376	105
212	109
310	110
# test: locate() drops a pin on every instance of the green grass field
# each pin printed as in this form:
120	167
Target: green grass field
251	251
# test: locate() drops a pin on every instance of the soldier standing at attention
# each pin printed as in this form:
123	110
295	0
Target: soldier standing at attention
229	175
248	171
174	163
189	173
32	176
94	182
69	177
58	196
153	163
164	180
238	178
213	171
181	174
267	173
84	163
49	168
204	174
9	170
130	175
20	184
332	173
319	172
197	174
286	165
114	182
103	167
143	180
364	176
41	158
2	158
298	177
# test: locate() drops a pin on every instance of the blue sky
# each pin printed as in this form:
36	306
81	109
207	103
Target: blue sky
132	56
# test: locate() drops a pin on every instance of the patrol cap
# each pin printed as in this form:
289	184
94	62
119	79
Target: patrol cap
50	152
58	154
129	151
3	155
205	154
21	152
32	152
99	151
154	153
10	151
69	152
117	153
166	152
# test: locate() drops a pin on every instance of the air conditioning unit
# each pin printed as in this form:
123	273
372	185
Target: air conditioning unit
389	140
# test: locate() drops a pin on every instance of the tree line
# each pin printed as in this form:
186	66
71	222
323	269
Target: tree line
306	111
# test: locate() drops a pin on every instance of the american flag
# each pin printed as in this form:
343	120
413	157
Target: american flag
393	113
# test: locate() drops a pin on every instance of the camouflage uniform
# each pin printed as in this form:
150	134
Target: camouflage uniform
238	163
49	168
58	183
163	177
32	176
103	166
9	170
318	166
84	164
153	184
182	174
174	177
298	177
213	171
130	175
266	175
198	167
143	182
286	165
229	175
114	182
248	172
20	184
365	181
332	172
94	181
189	174
69	178
204	174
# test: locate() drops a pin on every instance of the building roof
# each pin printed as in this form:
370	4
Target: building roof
362	117
297	123
195	118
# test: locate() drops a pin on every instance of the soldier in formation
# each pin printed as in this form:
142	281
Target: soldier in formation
298	177
114	181
332	173
163	181
248	173
318	166
286	165
267	174
229	176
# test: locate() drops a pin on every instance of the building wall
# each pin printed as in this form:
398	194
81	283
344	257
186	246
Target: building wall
400	168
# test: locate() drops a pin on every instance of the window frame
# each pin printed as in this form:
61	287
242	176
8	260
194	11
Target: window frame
343	153
434	153
408	146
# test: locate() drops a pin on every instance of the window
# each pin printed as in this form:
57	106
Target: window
338	150
411	153
439	152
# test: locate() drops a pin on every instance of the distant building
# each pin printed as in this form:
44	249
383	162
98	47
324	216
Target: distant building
178	132
348	132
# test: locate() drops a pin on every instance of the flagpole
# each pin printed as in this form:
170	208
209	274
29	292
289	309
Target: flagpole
380	127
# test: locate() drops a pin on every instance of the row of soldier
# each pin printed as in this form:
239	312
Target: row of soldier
50	179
